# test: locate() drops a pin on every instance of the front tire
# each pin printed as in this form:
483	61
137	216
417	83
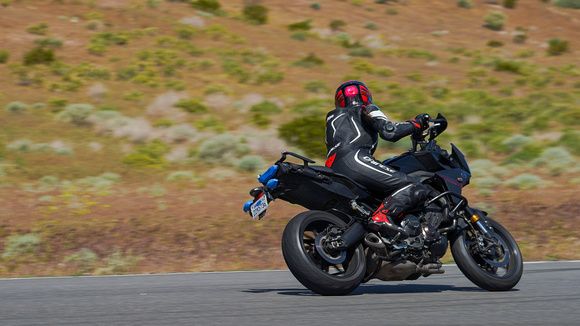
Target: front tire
310	267
490	272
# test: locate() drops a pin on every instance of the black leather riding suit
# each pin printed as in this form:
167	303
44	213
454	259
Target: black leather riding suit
351	139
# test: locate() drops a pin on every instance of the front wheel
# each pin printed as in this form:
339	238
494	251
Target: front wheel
324	272
493	264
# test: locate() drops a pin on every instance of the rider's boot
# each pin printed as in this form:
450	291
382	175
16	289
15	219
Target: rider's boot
387	218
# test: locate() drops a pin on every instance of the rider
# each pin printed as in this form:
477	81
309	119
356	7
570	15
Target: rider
352	131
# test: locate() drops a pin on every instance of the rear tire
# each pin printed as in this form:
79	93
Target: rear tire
309	267
481	272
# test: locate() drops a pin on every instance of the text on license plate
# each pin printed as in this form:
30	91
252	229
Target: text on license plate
259	207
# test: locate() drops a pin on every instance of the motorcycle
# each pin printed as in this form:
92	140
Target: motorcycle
331	250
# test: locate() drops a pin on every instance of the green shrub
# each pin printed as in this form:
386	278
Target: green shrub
84	260
467	4
255	14
39	55
494	44
510	4
181	176
574	4
110	38
495	20
306	133
308	61
133	96
525	181
4	56
16	107
49	42
371	26
18	246
191	105
337	25
38	29
520	38
250	163
557	46
556	160
163	123
315	6
571	140
97	48
392	11
299	36
186	32
76	113
221	147
206	5
266	107
270	76
516	142
149	155
300	26
361	52
317	86
59	103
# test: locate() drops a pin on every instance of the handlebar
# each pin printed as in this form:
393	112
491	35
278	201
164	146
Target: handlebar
436	127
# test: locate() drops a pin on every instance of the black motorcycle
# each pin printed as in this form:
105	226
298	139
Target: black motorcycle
330	249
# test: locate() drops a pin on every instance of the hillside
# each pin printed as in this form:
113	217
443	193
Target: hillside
132	131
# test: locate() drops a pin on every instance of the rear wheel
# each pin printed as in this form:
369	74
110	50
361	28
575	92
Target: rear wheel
320	270
493	265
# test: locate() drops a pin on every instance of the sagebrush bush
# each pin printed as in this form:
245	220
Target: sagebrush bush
495	20
220	148
16	107
84	260
18	246
181	133
76	113
556	160
181	176
510	4
250	163
516	142
20	145
525	181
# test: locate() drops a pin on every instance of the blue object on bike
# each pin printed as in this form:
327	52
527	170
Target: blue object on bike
247	205
268	174
272	183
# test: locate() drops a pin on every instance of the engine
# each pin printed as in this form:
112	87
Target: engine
416	256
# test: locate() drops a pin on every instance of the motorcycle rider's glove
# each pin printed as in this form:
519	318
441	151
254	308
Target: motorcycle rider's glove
421	122
373	112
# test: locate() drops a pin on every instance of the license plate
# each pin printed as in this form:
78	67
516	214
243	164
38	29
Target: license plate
259	207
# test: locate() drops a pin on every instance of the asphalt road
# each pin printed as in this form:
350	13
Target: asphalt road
548	294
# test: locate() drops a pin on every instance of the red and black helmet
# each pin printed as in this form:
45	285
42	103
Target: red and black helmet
352	93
